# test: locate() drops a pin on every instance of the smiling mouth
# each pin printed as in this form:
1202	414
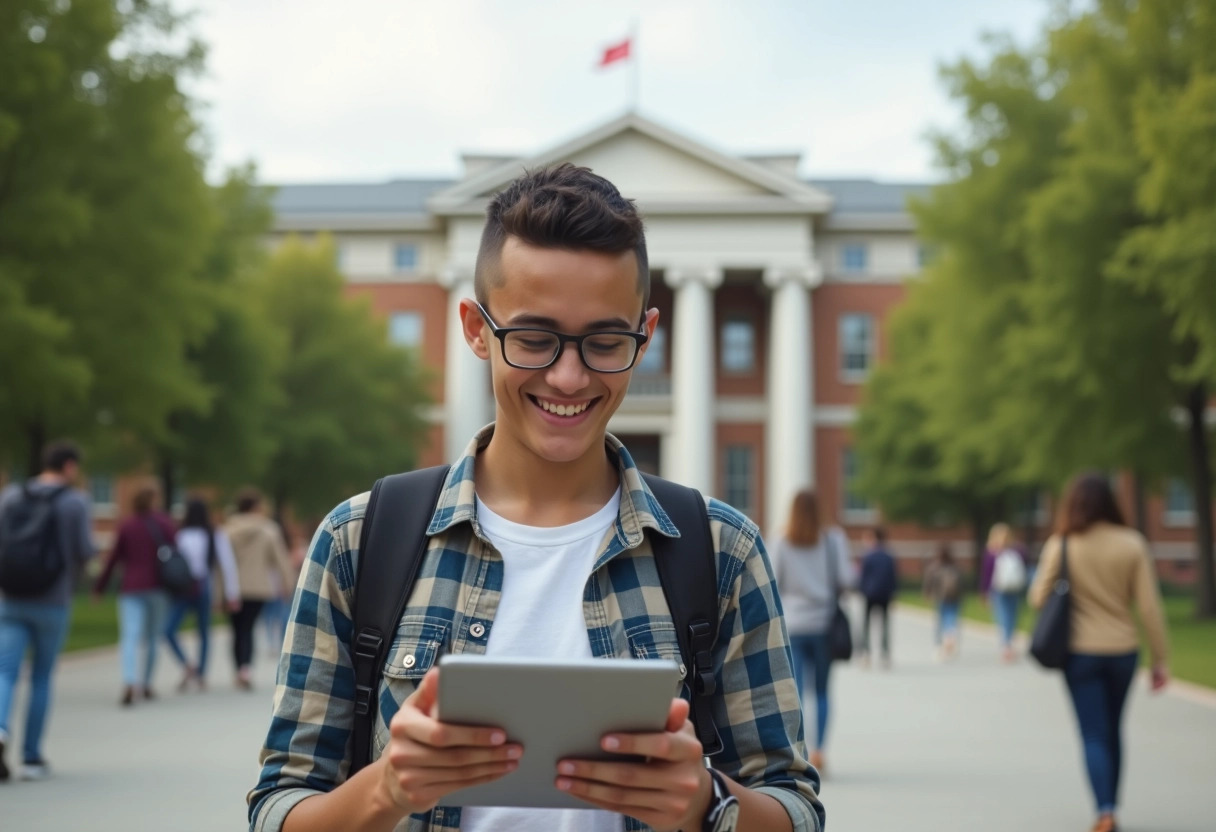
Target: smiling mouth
566	410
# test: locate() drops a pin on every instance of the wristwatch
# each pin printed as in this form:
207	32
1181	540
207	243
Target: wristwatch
723	812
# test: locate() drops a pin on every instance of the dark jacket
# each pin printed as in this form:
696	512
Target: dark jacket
879	580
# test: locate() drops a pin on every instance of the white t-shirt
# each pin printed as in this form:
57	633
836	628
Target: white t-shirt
540	615
193	544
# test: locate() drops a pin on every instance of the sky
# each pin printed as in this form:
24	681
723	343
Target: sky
372	90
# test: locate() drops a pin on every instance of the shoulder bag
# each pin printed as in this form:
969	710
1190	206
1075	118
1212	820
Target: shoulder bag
1052	632
840	631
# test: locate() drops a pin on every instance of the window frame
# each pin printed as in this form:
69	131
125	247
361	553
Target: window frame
728	477
852	376
754	362
413	313
846	249
398	247
1174	518
853	515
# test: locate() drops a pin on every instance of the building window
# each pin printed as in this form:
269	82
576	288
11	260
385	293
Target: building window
738	346
654	361
925	254
854	257
856	346
340	256
1179	503
405	257
855	506
101	492
405	329
739	486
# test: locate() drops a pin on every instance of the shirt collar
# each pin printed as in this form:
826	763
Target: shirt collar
639	511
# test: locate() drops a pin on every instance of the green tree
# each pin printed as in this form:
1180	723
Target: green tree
229	440
350	409
104	218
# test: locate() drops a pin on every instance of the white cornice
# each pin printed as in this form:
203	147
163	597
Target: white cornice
356	222
869	222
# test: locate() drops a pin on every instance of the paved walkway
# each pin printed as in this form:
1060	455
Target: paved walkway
969	745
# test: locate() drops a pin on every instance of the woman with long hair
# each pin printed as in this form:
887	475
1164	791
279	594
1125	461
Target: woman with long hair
1002	582
943	585
1109	570
142	601
204	547
807	557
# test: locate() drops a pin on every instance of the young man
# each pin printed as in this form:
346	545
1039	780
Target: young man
879	581
537	548
41	621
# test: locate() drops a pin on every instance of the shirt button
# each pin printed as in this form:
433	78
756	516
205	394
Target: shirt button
477	630
683	671
409	661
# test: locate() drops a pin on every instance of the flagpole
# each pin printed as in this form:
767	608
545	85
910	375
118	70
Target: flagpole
635	70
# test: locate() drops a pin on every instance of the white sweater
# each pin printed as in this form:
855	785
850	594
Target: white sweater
807	597
192	543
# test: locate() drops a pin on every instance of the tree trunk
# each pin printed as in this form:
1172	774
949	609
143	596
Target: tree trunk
979	539
35	441
1201	487
280	505
168	479
1140	504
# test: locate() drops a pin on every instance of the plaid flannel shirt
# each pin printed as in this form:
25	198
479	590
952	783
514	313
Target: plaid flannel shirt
757	709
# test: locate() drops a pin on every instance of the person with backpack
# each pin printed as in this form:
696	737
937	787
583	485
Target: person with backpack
943	585
545	540
45	541
207	551
813	569
143	601
879	582
1002	582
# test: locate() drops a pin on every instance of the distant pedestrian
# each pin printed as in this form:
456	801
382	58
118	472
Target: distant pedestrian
258	546
207	550
943	585
36	616
275	613
1110	569
813	569
143	604
879	582
1003	579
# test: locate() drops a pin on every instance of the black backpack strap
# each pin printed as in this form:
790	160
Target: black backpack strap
391	547
688	570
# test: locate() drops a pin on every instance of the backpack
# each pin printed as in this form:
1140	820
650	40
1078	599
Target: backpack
31	552
387	570
1008	572
949	584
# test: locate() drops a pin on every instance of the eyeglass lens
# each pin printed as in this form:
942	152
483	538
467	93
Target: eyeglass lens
537	348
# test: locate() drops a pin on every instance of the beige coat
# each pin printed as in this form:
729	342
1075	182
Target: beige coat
257	545
1110	570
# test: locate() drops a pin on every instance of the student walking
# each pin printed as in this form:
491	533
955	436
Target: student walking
1002	582
258	547
813	569
879	582
1110	570
540	545
943	585
205	549
142	602
45	541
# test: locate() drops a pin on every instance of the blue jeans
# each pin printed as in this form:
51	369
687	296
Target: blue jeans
200	605
141	618
1005	611
947	620
811	653
1098	686
42	627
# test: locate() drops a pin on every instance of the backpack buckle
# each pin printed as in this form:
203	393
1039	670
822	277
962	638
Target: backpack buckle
363	700
367	644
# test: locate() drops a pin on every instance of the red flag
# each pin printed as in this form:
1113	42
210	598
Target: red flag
616	52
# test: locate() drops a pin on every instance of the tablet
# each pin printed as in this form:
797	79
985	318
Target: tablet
555	710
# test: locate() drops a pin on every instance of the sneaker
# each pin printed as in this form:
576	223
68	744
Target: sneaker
128	697
4	773
35	770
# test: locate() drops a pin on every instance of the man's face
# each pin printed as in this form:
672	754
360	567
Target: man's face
572	292
71	472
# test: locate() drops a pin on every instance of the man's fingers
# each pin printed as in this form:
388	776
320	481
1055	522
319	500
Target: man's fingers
677	715
424	696
410	754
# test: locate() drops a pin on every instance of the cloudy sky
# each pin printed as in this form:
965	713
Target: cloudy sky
369	90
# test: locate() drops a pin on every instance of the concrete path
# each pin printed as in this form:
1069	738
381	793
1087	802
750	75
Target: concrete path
969	745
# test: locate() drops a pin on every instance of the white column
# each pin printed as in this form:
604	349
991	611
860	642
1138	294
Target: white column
790	430
466	382
692	384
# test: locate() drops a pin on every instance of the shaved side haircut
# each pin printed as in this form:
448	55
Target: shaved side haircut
563	207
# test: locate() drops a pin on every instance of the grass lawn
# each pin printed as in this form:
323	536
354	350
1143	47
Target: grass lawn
1192	643
96	625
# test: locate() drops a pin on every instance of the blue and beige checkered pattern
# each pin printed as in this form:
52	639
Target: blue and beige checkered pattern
458	586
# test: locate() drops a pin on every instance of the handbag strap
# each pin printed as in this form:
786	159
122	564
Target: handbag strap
154	529
1064	559
830	553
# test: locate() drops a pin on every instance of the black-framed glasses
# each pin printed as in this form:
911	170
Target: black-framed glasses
529	348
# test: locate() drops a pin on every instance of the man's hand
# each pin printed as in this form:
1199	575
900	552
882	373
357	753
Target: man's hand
670	790
426	759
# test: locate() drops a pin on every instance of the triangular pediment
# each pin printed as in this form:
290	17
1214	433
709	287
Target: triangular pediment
654	165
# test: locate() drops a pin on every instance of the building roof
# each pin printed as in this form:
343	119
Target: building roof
409	196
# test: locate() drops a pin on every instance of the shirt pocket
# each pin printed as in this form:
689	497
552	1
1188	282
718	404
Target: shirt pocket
416	646
657	641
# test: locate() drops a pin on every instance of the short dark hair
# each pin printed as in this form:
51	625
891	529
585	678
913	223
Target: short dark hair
56	455
880	534
146	496
564	207
247	499
1089	500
